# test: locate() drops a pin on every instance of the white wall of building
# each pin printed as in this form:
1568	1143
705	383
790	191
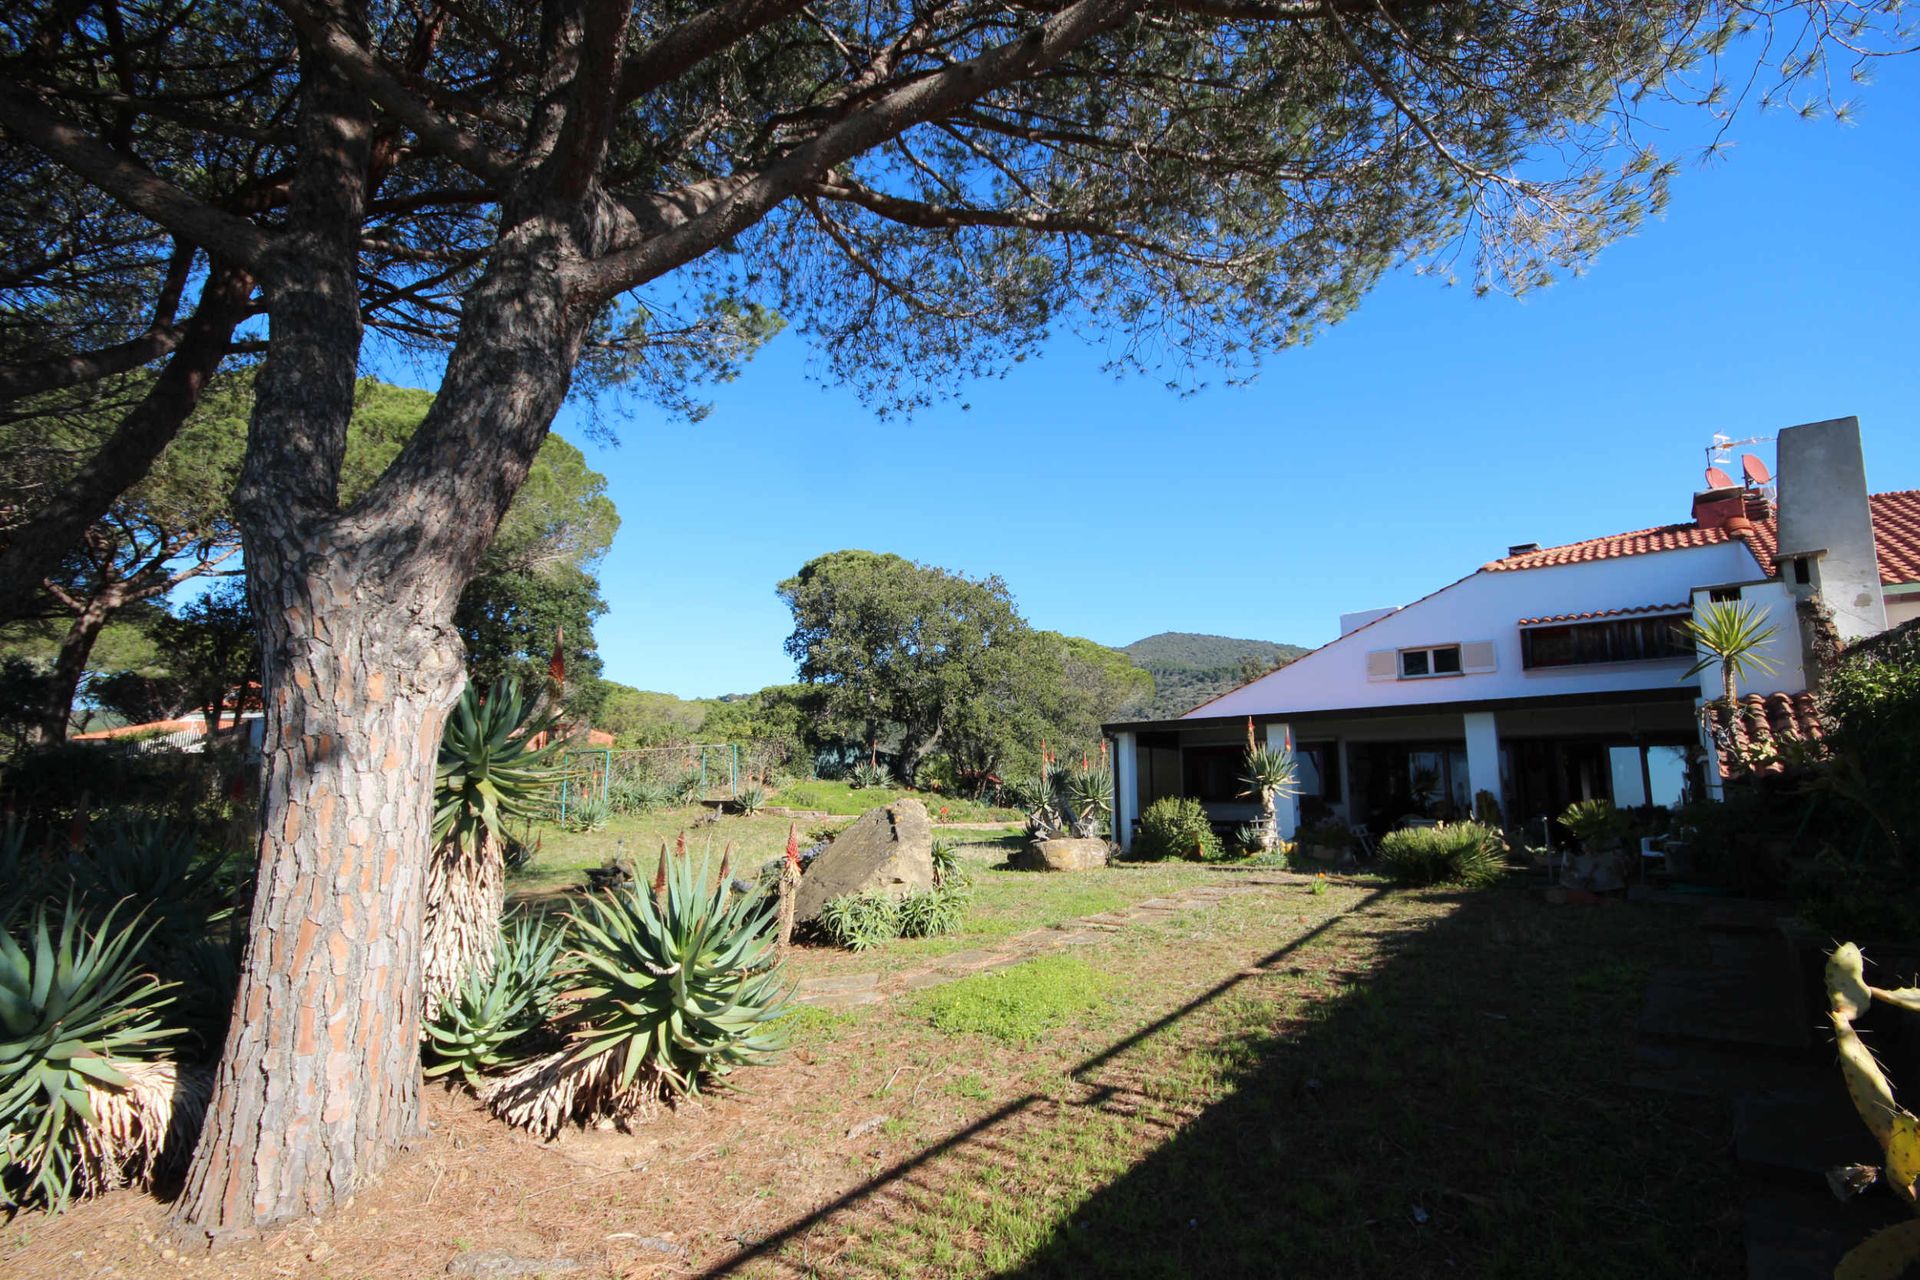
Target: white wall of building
1488	606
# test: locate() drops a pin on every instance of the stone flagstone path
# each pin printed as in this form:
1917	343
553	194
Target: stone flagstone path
850	991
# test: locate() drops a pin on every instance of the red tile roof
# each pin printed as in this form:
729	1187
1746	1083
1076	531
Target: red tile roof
1596	614
1768	733
1896	534
1666	537
1896	538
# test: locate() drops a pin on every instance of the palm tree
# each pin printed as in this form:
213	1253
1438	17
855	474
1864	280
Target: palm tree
1732	634
1270	774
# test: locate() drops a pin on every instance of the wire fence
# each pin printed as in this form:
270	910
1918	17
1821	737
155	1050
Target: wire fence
692	773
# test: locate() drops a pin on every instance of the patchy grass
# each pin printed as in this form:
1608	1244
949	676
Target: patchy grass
1017	1005
1007	903
1361	1084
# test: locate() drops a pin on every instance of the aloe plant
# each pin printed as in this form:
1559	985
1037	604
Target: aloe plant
74	1005
671	988
490	775
476	1028
1087	790
1268	775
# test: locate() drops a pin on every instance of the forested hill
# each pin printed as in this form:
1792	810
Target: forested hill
1189	668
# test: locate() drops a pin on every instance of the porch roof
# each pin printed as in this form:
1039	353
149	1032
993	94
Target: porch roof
1605	698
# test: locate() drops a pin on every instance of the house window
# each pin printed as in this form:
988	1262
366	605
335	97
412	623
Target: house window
1612	640
1724	595
1441	660
1802	571
1215	773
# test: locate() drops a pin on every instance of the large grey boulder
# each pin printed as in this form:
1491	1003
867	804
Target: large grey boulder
1065	855
888	850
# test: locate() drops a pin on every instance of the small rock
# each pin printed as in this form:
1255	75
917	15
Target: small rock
491	1263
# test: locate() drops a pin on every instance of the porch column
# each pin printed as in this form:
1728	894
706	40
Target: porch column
1483	757
1286	809
1715	788
1126	789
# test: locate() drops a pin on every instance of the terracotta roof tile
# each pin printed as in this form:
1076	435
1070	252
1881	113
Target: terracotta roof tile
1684	606
1896	534
1666	537
1763	735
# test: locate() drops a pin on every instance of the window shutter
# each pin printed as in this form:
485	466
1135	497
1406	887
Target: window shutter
1383	664
1479	655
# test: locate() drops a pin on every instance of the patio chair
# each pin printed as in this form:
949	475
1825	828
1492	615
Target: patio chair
1363	840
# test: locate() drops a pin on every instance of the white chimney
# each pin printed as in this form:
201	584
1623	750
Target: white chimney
1826	522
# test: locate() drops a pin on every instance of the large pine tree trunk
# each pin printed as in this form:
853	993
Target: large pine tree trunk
320	1080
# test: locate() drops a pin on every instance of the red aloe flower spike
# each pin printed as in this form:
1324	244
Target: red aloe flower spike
660	876
793	844
726	862
680	845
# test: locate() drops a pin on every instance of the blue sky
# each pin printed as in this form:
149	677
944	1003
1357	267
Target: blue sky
1401	449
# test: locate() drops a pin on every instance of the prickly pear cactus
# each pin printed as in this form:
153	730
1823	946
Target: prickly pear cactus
1886	1255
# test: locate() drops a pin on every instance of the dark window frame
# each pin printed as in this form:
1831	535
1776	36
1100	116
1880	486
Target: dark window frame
1430	657
1646	638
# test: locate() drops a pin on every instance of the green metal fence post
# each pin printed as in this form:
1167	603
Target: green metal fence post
734	772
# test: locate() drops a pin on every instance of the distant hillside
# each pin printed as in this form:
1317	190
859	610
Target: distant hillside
1189	668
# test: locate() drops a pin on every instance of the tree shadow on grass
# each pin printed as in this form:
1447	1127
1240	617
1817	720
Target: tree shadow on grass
1395	1093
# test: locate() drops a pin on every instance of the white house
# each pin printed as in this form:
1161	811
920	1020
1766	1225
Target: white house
1552	674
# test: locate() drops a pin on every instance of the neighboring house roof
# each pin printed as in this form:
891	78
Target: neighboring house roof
1896	535
194	724
1763	729
1597	614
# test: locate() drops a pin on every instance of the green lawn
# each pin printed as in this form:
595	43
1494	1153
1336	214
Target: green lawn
839	798
1359	1083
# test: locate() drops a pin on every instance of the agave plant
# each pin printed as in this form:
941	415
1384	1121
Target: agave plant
476	1028
489	776
1269	775
135	858
750	800
867	774
74	1009
671	989
1087	790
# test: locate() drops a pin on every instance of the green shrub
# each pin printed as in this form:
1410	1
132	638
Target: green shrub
638	795
861	921
931	913
1463	853
750	800
1017	1005
1176	827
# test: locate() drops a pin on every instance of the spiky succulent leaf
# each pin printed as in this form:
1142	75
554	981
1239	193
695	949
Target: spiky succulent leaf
488	775
72	1000
477	1028
685	986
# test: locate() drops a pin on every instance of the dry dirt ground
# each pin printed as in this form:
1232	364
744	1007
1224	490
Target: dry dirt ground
1354	1081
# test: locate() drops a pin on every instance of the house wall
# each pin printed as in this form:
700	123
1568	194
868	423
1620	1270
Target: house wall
1902	608
1488	607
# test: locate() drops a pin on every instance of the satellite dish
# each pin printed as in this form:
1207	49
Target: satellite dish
1756	470
1718	479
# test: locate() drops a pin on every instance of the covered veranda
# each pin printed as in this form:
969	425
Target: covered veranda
1380	768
